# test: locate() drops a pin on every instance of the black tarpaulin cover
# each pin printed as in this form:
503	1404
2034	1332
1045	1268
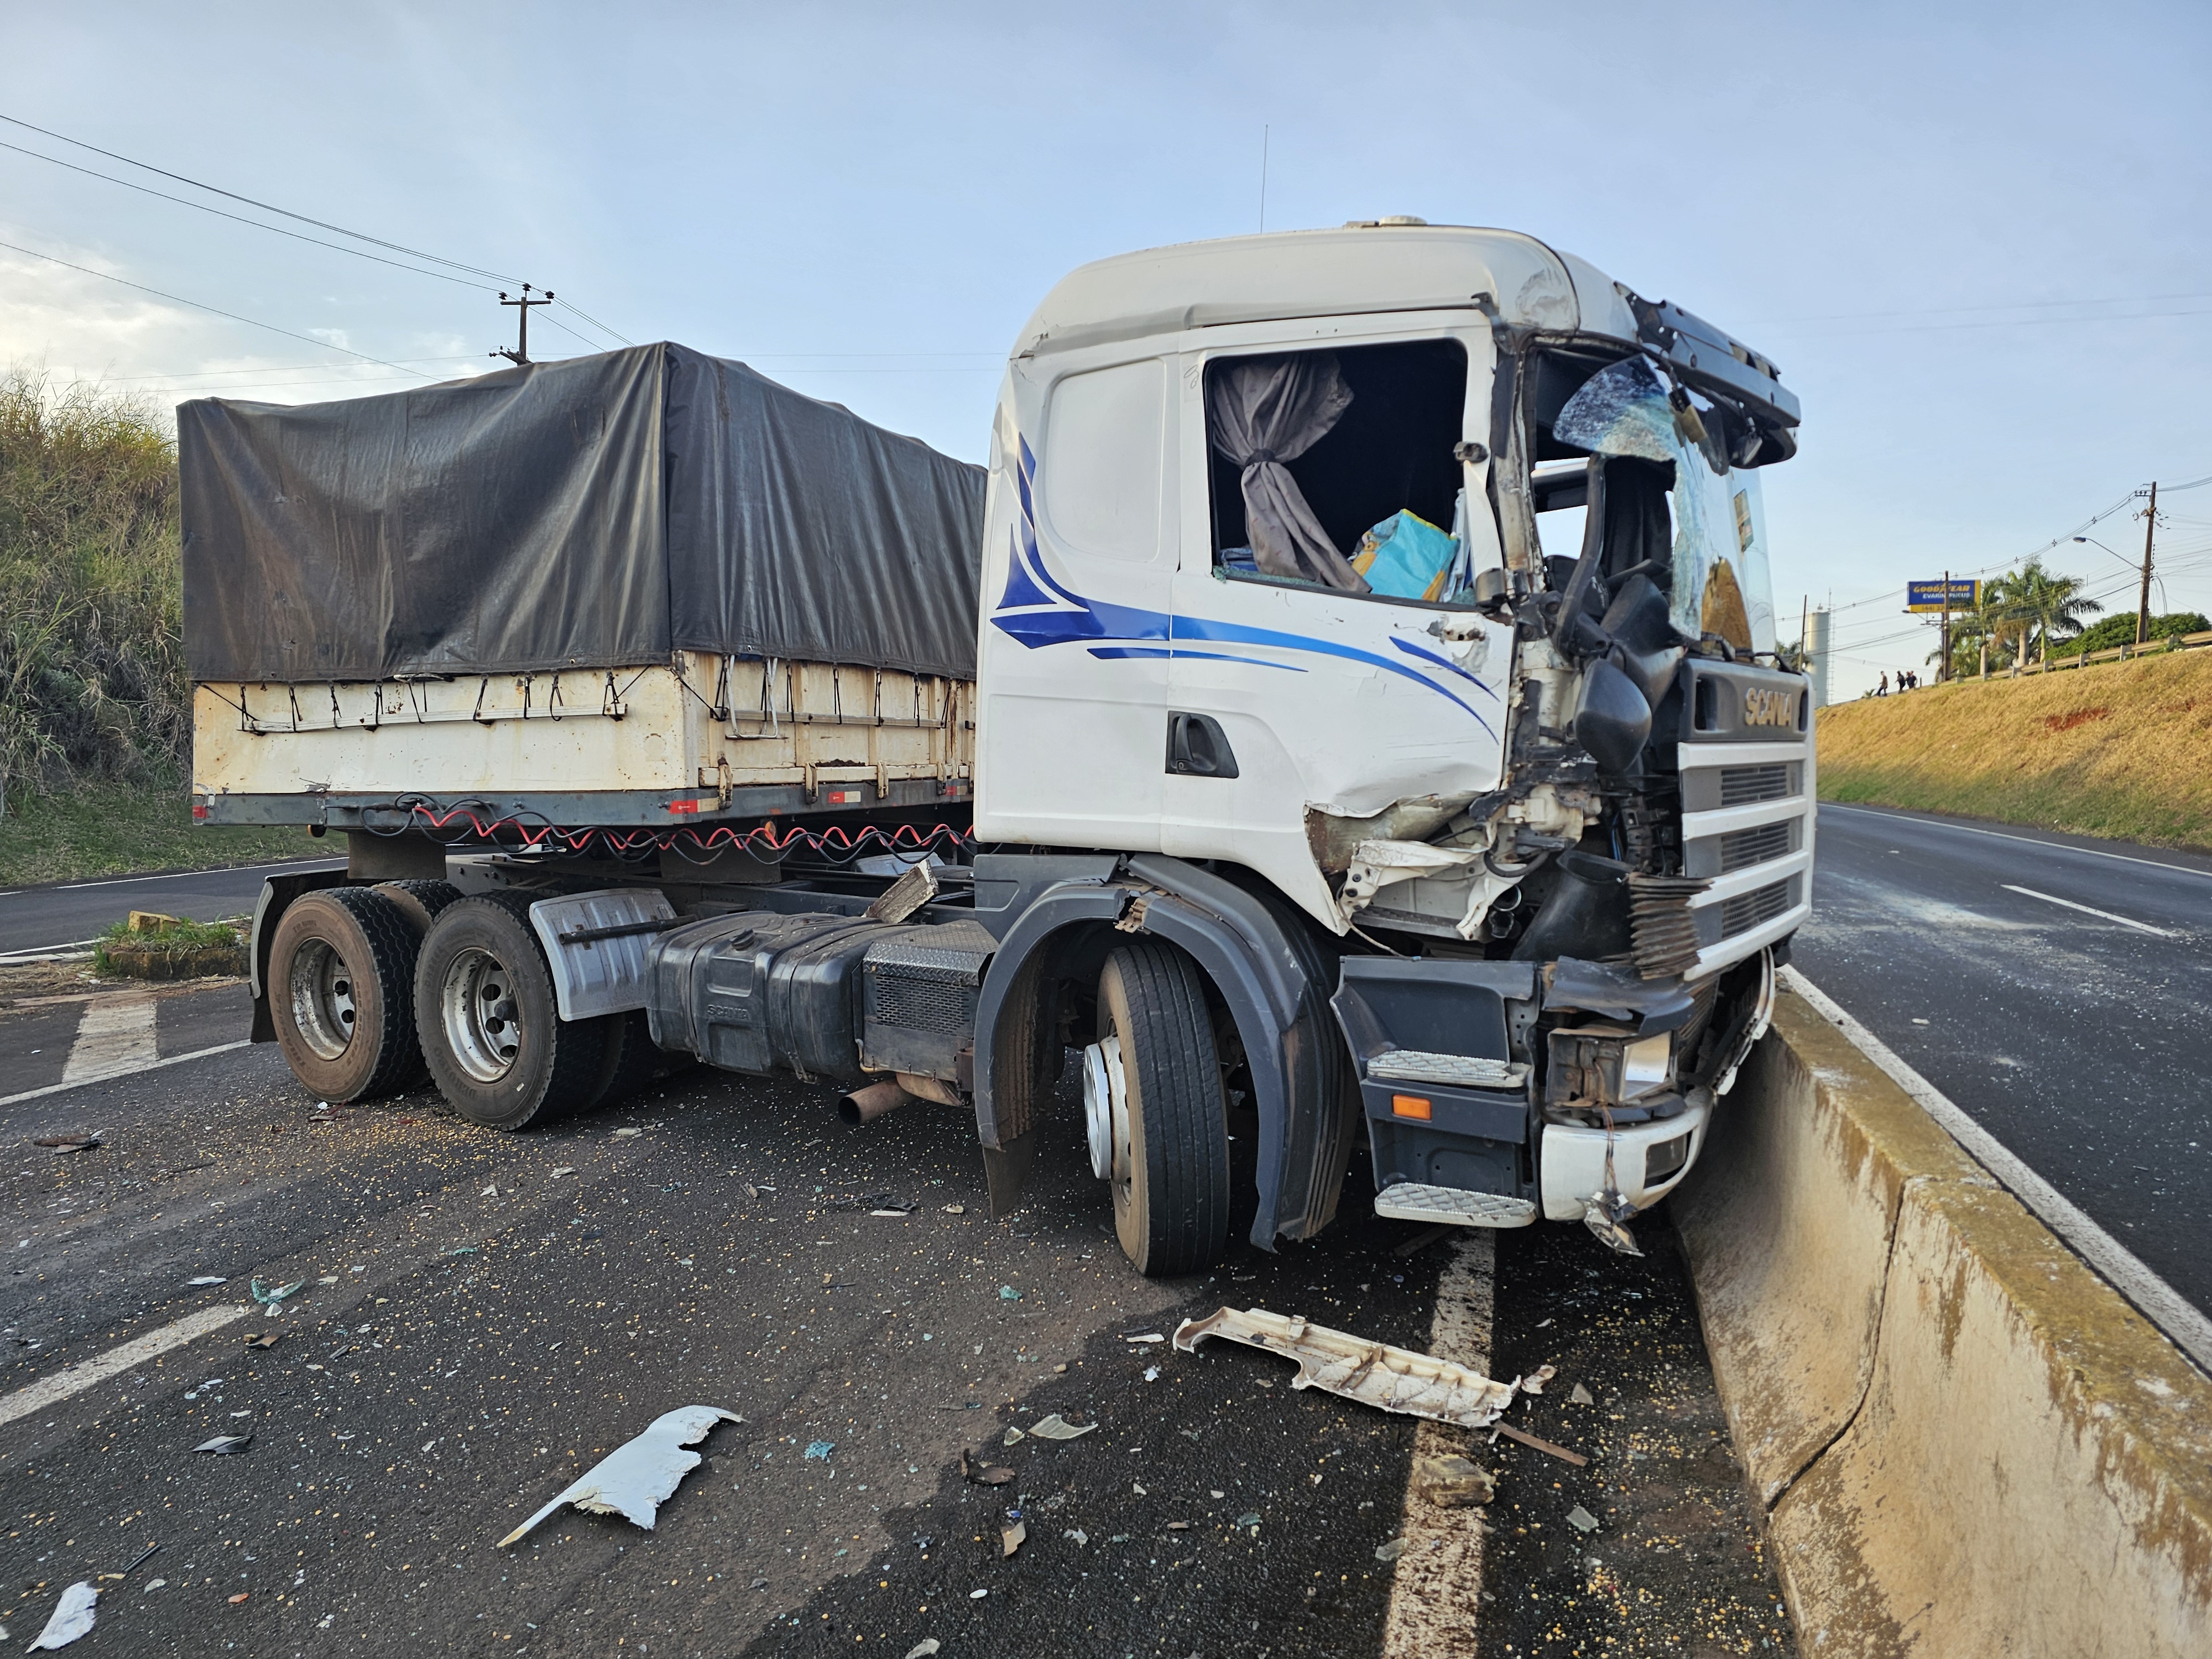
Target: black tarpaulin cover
596	513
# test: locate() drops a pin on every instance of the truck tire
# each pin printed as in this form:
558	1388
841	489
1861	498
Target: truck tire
342	994
627	1061
420	902
491	1028
1171	1206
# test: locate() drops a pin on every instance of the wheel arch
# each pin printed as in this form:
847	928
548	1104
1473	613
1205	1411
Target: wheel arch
1260	958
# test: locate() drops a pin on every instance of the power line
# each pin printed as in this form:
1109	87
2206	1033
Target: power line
319	224
178	299
240	218
266	207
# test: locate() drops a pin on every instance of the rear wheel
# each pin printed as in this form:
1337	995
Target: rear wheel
420	902
1171	1174
341	984
627	1061
491	1028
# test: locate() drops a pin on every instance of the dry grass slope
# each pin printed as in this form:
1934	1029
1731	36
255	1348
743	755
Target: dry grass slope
2123	749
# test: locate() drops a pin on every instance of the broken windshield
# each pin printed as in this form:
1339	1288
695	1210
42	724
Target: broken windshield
1719	557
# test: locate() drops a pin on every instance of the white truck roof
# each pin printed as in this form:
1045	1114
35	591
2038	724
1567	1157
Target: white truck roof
1361	268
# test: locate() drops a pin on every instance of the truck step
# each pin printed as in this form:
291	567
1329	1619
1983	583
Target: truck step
1407	1201
1463	1071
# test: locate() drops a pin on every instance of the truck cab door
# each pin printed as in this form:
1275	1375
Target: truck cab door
1298	700
1078	549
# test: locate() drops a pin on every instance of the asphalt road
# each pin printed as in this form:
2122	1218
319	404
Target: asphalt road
39	918
2057	989
484	1316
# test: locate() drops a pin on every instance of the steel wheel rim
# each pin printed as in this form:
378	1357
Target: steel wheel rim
323	1011
484	1029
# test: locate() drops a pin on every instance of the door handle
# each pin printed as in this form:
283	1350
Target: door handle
1199	748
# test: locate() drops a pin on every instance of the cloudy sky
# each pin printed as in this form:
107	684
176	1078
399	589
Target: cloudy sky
1978	240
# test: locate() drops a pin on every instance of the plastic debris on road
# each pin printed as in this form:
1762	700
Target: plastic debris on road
986	1474
1533	1382
977	1594
819	1450
1579	1396
1012	1538
923	1649
264	1339
1148	1336
1056	1427
637	1477
72	1618
1452	1483
1581	1519
1391	1551
1008	1293
269	1296
1077	1536
1374	1373
225	1445
1013	1435
207	1278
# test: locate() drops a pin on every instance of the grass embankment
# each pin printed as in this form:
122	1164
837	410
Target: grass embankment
2122	750
97	829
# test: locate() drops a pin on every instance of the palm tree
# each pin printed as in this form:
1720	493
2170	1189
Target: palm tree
2046	603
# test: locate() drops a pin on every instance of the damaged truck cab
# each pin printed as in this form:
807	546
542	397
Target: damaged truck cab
1410	582
1345	715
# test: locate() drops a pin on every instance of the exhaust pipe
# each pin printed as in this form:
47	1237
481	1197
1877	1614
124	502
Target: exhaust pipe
865	1105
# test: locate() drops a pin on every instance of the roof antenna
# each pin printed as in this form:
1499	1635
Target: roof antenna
1263	180
521	355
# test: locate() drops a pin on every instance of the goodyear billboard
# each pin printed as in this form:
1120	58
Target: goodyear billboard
1965	594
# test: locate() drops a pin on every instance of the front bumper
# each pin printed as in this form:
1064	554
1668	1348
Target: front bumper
1570	1161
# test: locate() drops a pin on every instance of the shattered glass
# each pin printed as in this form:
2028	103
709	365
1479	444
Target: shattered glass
1721	582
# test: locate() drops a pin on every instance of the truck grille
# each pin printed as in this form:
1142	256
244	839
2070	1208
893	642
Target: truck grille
1749	846
1741	785
1748	910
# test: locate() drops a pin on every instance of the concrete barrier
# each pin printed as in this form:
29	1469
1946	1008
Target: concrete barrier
1966	1441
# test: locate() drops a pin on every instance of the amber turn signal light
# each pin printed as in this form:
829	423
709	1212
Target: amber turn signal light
1409	1106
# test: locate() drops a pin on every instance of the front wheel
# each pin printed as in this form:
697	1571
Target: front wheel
1168	1149
490	1026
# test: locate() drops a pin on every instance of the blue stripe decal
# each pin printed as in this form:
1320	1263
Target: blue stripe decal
1026	614
1446	662
1210	656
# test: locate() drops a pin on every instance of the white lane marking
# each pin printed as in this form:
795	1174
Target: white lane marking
1435	1593
52	1390
150	1065
179	875
75	947
2163	1305
114	1036
2032	841
2090	911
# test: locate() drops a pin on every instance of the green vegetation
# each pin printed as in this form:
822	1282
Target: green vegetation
2120	631
2024	615
95	720
92	669
181	933
96	829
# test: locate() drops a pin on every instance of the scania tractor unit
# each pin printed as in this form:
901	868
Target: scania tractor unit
1345	714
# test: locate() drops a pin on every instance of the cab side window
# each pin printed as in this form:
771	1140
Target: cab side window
1336	469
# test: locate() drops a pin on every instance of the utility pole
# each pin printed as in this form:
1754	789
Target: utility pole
2142	605
1943	662
521	355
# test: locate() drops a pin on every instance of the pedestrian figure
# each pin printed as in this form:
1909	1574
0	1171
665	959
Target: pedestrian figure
1883	690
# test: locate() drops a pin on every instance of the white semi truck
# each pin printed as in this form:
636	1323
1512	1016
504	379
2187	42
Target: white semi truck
1347	713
